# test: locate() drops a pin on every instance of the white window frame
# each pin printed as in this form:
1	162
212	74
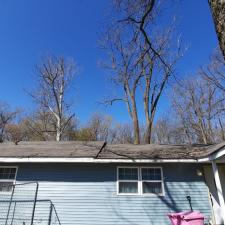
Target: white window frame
134	181
8	180
152	181
140	181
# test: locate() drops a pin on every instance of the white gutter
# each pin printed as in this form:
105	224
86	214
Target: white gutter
90	160
213	156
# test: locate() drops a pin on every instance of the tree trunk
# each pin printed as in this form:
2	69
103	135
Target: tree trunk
146	109
148	132
58	136
58	130
2	134
204	137
218	12
135	121
136	132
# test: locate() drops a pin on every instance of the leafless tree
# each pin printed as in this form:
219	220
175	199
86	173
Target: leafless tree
100	126
141	15
40	125
157	75
55	77
162	131
125	73
215	71
70	133
168	130
198	109
84	134
136	15
15	133
6	116
218	12
142	54
123	134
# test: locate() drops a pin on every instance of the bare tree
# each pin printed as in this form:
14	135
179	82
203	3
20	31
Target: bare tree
123	134
162	131
15	133
100	127
168	130
124	56
141	16
40	125
218	12
215	71
198	109
141	55
125	74
70	133
157	75
6	116
55	77
84	134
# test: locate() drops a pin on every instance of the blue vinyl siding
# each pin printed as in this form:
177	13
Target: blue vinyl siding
86	194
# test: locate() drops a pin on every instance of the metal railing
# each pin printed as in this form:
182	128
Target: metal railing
21	207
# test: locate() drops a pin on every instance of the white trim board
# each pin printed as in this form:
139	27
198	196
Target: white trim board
90	160
213	156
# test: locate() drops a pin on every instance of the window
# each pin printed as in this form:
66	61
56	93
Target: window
152	181
7	178
140	180
128	180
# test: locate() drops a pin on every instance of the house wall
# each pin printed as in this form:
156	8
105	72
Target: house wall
86	194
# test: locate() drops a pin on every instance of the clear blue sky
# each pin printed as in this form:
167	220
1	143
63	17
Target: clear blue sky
31	28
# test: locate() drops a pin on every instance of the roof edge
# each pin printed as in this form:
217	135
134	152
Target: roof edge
90	160
214	155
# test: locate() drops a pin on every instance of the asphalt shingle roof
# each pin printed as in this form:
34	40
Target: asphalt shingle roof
76	149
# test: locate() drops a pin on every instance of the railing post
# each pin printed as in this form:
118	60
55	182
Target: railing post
56	214
35	200
50	214
6	221
14	209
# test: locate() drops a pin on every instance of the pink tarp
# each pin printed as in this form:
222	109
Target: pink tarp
186	218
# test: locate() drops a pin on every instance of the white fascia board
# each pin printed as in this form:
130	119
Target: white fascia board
202	160
213	156
91	160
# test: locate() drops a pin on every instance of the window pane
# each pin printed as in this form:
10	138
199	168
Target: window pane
128	187
128	174
151	174
7	173
6	186
152	187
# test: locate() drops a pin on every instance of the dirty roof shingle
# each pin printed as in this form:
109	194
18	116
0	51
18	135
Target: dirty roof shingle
76	149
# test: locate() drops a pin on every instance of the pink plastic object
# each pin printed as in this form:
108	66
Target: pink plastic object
186	218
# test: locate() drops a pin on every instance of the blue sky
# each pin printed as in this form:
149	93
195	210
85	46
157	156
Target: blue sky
30	29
